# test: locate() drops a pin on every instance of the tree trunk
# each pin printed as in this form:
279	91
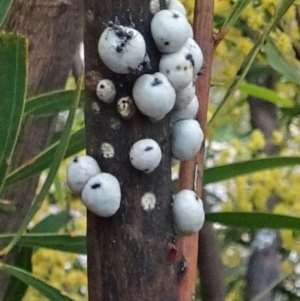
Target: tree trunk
264	260
53	28
131	254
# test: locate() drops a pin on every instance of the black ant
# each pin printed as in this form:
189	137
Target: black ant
122	33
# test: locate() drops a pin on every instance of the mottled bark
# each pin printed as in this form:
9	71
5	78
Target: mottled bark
130	255
53	28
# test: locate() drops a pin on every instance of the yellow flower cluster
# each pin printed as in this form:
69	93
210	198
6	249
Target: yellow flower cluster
256	142
58	269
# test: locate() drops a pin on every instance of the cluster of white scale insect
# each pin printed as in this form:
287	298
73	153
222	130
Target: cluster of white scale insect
171	90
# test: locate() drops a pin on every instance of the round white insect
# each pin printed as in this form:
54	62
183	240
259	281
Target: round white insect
187	138
185	96
176	5
122	49
79	171
145	155
170	30
189	112
106	90
193	48
154	95
188	212
102	194
178	68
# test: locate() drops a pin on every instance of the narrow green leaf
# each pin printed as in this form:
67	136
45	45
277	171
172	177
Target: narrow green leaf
47	290
58	156
44	159
224	172
52	223
265	94
60	242
279	63
13	62
254	220
4	8
49	103
16	288
235	13
249	59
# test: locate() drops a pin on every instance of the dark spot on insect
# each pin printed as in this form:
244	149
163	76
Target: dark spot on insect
190	58
175	16
168	71
96	185
110	24
156	82
75	159
196	197
148	148
185	68
178	68
167	43
102	86
123	44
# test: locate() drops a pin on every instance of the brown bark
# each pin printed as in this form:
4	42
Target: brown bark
53	28
193	170
130	255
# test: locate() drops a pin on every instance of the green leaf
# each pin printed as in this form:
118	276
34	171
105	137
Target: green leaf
279	63
58	157
224	172
16	289
249	59
52	223
4	8
254	220
13	62
49	103
47	290
44	159
235	13
60	242
265	94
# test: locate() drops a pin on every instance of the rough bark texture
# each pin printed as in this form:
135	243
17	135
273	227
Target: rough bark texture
130	255
53	28
264	261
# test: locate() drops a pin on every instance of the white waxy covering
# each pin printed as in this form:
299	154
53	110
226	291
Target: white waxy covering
145	155
188	212
102	194
79	171
122	54
170	30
